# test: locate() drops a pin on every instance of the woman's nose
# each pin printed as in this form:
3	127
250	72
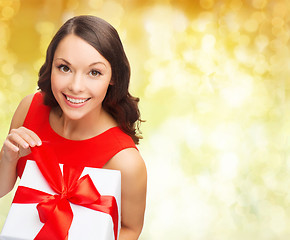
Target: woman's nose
76	84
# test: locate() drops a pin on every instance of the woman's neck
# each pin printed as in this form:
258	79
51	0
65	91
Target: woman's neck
89	126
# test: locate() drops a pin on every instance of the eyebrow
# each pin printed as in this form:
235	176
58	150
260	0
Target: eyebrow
68	63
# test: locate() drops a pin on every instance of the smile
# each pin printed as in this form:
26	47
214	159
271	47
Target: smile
76	100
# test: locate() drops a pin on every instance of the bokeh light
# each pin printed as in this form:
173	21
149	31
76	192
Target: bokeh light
213	78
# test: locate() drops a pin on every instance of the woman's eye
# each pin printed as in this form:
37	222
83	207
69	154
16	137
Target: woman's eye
94	73
64	68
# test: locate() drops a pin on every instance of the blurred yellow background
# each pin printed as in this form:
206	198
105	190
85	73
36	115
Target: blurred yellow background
213	78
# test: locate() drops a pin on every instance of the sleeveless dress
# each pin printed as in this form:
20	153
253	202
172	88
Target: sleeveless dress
92	152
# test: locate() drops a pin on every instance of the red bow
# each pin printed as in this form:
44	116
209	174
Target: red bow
55	210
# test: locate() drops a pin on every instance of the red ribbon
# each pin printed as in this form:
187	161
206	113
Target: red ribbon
55	210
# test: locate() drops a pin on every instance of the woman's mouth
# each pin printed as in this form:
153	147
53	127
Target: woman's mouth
75	101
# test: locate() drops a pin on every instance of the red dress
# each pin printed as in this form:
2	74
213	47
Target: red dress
92	152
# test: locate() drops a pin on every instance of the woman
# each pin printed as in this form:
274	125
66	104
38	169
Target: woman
85	112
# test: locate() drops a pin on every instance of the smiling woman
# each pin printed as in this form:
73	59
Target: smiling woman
86	114
100	36
80	77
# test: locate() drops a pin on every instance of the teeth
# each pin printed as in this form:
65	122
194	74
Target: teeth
76	101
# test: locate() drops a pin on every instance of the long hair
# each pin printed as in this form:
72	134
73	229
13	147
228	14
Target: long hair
118	102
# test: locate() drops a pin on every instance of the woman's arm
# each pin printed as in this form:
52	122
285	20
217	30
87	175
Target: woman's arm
16	145
134	184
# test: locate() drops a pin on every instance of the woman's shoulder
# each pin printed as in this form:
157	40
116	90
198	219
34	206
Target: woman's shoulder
26	101
21	111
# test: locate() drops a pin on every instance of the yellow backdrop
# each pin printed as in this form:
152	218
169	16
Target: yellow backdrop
213	78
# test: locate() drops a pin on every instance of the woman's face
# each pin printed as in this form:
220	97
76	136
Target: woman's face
80	77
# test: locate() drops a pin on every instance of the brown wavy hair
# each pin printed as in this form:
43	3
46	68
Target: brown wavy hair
105	39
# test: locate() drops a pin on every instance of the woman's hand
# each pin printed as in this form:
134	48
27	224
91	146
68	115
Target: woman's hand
18	143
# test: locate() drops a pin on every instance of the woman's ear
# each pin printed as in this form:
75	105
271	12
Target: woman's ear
112	82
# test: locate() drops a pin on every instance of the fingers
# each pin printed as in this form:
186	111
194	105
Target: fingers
18	143
24	137
17	139
33	136
9	145
23	152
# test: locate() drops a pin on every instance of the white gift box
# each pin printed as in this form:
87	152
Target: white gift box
23	221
